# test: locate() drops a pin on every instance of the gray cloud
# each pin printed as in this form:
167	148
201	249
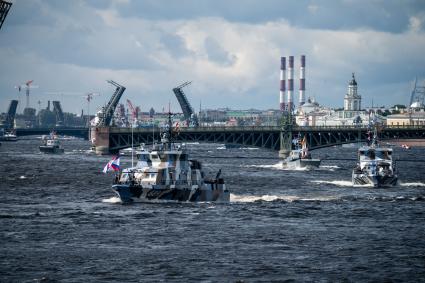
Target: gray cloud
217	53
390	15
174	44
230	50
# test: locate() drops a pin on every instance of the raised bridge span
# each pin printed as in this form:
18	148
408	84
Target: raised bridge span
111	140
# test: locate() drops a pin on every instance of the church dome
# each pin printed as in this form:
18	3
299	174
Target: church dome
353	81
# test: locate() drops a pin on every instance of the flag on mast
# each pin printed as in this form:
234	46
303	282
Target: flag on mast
112	165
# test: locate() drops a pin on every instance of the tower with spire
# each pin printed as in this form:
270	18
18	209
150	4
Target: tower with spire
352	100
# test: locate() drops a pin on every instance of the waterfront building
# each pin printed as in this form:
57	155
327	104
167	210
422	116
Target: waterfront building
406	119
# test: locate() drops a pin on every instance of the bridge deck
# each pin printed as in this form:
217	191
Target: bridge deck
264	137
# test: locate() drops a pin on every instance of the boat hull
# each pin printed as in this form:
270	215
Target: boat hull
134	193
301	163
374	180
49	149
8	139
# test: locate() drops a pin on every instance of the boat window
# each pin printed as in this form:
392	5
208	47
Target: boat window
171	158
361	152
382	154
154	156
371	154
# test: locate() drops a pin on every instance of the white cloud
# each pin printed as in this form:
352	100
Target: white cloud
415	24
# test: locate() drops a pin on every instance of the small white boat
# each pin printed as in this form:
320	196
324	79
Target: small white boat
50	145
300	158
9	137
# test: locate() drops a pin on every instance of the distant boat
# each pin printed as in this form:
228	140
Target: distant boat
51	144
405	146
9	137
300	158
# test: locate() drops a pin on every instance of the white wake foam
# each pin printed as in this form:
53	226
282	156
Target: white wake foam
111	200
246	198
413	184
330	166
278	166
336	183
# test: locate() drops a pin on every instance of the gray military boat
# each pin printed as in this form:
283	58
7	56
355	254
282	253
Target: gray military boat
375	166
166	173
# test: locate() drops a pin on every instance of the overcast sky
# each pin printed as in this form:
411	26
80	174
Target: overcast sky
229	49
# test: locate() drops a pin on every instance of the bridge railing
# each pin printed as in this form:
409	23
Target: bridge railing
263	128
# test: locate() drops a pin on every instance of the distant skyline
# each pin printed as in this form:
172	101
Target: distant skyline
229	49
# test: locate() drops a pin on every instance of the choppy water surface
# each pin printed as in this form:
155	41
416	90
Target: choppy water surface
59	221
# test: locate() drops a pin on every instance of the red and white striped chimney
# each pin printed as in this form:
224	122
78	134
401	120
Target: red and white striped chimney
302	80
291	84
282	83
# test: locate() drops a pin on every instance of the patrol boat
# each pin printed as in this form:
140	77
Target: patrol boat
375	166
50	144
166	173
300	157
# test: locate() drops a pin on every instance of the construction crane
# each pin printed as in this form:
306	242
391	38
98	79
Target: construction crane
189	114
107	113
89	97
4	9
8	122
28	85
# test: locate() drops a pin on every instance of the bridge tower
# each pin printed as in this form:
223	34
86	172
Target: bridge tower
188	112
286	135
60	118
8	122
4	9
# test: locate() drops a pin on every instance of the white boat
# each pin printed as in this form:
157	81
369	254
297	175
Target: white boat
50	145
375	166
9	137
166	173
300	158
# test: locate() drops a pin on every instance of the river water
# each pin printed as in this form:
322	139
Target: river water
60	221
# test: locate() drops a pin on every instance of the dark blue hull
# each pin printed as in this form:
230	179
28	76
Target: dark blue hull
130	193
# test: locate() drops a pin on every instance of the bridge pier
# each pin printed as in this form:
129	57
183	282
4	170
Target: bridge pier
100	139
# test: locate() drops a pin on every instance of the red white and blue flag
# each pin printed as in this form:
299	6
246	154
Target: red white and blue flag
113	165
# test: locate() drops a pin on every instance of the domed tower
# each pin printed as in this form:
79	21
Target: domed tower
352	101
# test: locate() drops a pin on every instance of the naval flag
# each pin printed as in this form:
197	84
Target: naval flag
113	165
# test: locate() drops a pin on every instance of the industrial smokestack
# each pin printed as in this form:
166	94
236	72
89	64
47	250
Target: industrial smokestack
282	83
48	105
291	83
302	80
